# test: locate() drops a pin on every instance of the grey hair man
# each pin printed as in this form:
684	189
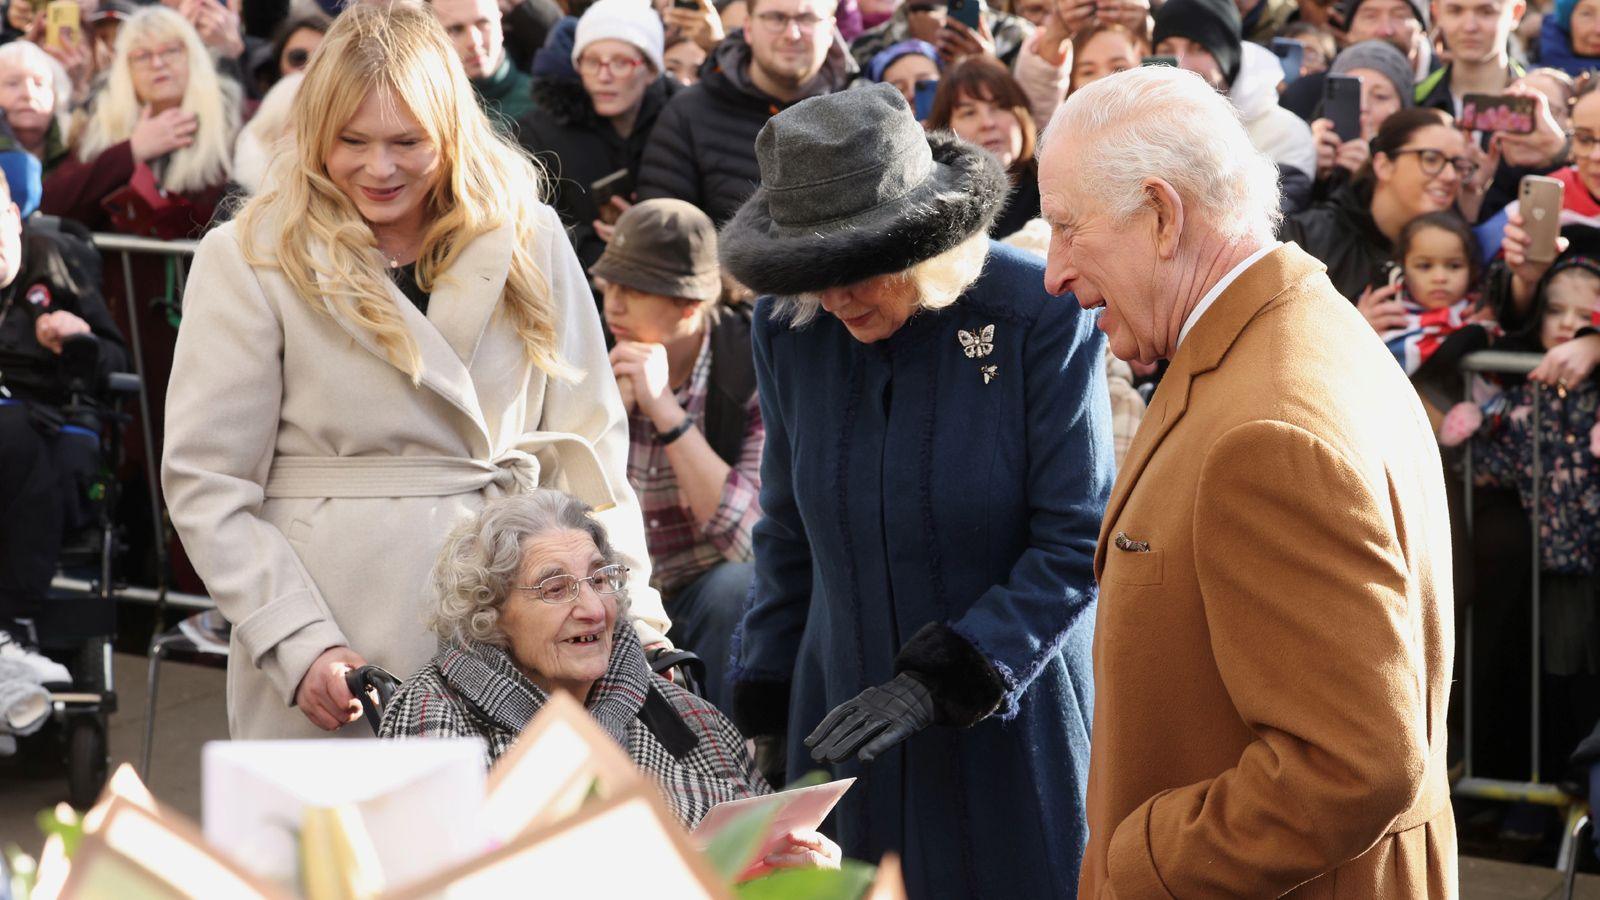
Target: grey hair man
1274	564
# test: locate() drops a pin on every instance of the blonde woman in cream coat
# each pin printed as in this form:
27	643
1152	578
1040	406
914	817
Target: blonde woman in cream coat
326	429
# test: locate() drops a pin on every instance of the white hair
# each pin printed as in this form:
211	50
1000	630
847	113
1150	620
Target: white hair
482	558
939	281
214	102
1167	123
29	54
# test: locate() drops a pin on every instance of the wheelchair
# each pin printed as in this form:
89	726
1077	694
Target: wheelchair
78	628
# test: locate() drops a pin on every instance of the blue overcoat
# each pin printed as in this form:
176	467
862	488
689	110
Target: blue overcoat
955	473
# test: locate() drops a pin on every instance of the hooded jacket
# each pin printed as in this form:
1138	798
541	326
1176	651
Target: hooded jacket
1555	50
1273	130
578	147
703	150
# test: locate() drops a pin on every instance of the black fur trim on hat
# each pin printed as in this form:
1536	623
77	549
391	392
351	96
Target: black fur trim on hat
761	708
963	201
966	688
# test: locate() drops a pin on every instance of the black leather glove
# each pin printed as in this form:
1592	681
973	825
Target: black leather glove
877	719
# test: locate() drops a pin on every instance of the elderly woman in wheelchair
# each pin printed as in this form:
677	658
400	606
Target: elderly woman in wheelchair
531	599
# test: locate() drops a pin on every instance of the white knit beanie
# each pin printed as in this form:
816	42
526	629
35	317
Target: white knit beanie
630	21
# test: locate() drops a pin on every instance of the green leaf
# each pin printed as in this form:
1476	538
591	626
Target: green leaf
736	846
849	882
65	821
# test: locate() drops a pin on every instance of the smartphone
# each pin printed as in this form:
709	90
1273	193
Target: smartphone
1169	61
1496	112
924	94
1341	104
965	11
692	5
62	18
1291	55
617	184
1540	201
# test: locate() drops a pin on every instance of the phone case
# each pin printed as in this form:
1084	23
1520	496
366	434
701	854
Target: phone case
1341	104
61	16
1540	202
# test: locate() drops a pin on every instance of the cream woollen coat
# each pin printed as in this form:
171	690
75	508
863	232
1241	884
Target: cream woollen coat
313	485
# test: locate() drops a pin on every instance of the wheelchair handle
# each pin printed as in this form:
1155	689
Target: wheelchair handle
688	663
381	682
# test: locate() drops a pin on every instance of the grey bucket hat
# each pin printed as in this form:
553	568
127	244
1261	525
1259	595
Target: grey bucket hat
852	187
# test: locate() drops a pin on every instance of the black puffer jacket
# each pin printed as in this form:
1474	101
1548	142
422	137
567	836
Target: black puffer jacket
703	150
1340	232
578	148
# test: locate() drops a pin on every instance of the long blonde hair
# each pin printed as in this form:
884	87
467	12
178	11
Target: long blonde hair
213	101
485	182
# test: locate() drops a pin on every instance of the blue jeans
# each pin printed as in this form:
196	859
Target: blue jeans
704	615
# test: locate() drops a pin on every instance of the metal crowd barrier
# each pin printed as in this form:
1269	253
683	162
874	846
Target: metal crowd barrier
1533	790
126	247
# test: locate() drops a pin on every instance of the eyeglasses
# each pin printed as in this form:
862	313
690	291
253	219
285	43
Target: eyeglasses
1432	162
778	23
559	589
618	66
169	56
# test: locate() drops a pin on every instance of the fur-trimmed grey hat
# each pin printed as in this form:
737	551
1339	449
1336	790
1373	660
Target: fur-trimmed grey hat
852	188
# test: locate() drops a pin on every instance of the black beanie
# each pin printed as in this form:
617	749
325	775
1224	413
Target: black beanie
1348	9
1213	24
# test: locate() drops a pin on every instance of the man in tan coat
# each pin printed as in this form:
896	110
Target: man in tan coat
1273	641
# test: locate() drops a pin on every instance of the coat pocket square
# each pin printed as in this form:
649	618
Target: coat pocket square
1123	542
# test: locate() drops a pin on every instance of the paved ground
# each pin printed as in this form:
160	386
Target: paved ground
191	713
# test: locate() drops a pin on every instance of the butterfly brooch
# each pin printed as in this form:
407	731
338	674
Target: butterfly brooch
979	345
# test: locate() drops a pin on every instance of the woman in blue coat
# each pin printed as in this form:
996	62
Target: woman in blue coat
937	462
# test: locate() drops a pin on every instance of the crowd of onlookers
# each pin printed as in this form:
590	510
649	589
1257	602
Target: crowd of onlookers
151	119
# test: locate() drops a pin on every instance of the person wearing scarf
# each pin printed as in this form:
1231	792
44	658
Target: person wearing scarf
531	600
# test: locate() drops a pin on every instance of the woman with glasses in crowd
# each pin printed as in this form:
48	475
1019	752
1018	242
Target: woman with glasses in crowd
589	130
394	331
1420	163
293	42
165	110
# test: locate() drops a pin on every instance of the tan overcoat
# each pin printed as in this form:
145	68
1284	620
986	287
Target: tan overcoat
313	484
1273	640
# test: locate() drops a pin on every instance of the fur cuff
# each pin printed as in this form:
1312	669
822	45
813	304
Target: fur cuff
966	687
761	708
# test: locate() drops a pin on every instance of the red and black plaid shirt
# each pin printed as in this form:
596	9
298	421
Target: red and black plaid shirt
680	549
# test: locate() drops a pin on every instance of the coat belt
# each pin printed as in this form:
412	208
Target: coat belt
514	471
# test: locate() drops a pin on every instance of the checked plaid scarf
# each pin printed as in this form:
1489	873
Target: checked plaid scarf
689	749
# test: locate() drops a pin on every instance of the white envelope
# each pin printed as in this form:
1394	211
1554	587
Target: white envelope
419	800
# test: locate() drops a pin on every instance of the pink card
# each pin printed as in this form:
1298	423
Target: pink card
799	808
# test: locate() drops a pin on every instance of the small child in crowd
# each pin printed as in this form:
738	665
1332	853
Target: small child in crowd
1439	262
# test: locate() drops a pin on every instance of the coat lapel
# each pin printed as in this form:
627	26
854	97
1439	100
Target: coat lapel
1255	289
465	297
459	311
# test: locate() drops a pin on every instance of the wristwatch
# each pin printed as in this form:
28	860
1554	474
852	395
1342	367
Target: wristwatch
667	437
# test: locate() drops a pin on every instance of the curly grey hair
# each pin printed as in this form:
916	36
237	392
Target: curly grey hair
482	560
